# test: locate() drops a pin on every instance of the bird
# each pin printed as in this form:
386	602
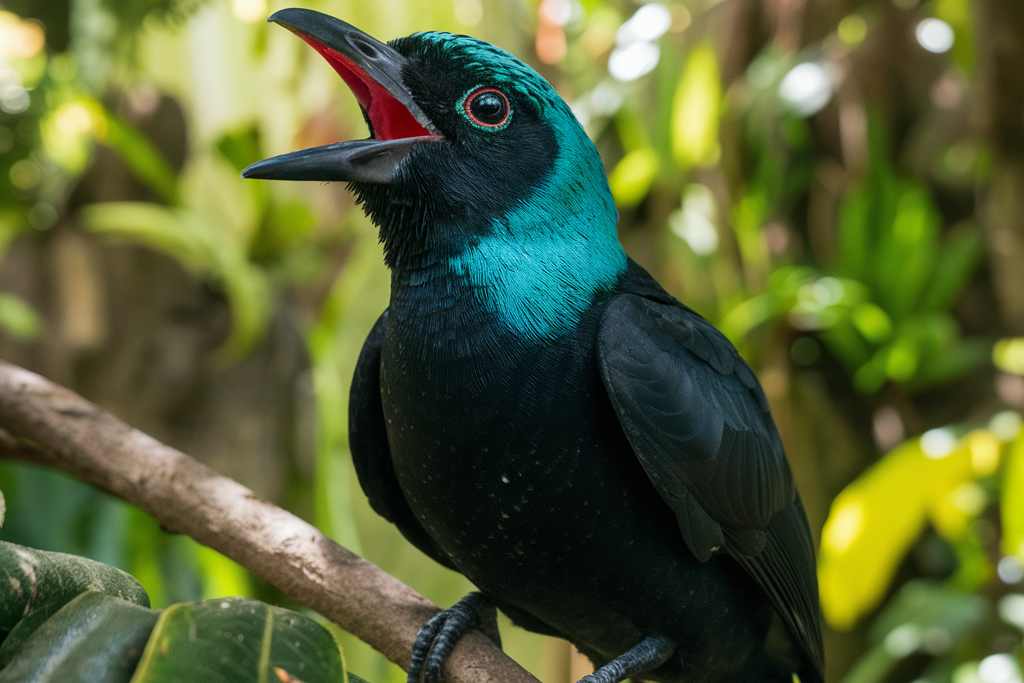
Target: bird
533	409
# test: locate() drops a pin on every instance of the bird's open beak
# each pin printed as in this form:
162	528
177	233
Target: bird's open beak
373	71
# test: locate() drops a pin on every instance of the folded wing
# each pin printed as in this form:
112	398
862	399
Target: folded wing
699	422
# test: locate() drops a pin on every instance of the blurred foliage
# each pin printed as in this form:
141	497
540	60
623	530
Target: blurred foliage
943	479
808	176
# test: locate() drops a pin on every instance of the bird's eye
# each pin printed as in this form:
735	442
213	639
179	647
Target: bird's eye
488	108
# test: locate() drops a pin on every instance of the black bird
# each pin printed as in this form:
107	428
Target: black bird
533	410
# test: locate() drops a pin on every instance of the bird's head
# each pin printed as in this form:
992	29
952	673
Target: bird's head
467	145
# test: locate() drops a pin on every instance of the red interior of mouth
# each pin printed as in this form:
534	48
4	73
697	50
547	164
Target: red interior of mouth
390	119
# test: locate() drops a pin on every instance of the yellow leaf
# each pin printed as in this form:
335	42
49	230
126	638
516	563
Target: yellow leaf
1008	355
871	524
696	109
1012	501
874	521
953	512
985	450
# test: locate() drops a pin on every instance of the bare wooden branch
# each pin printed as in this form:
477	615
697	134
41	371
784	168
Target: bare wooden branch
49	424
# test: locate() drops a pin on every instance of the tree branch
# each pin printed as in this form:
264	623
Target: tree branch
51	425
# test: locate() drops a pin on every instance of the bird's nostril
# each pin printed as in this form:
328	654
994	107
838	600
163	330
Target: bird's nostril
366	48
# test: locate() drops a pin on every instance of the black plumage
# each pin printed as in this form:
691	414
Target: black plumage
572	467
533	409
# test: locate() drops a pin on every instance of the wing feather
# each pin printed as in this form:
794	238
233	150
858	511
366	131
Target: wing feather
700	424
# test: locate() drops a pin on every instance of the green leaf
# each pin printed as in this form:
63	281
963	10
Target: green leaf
871	321
164	229
240	147
18	318
873	374
906	253
285	226
95	637
920	608
855	232
67	619
241	640
951	362
144	160
924	603
750	313
42	582
957	260
957	13
747	219
221	575
847	344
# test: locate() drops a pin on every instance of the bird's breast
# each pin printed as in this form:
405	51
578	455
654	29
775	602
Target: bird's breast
500	444
511	457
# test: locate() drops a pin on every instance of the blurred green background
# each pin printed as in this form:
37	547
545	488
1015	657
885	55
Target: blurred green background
838	185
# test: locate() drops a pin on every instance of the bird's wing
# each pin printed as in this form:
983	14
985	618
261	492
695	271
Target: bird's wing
371	455
699	422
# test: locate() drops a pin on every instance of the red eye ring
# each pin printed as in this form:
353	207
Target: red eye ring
487	108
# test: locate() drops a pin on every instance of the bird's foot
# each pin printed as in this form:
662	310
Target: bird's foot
439	636
648	654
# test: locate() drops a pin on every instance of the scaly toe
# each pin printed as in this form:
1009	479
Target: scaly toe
439	636
422	646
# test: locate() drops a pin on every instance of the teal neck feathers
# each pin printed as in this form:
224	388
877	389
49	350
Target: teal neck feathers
543	263
537	262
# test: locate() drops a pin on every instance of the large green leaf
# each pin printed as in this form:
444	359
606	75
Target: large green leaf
237	639
37	584
66	619
95	637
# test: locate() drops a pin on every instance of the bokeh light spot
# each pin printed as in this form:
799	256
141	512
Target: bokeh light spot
935	35
694	223
1010	569
25	174
250	11
806	88
852	30
1000	668
938	443
647	24
633	61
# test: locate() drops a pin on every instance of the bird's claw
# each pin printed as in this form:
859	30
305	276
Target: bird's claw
442	632
648	654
